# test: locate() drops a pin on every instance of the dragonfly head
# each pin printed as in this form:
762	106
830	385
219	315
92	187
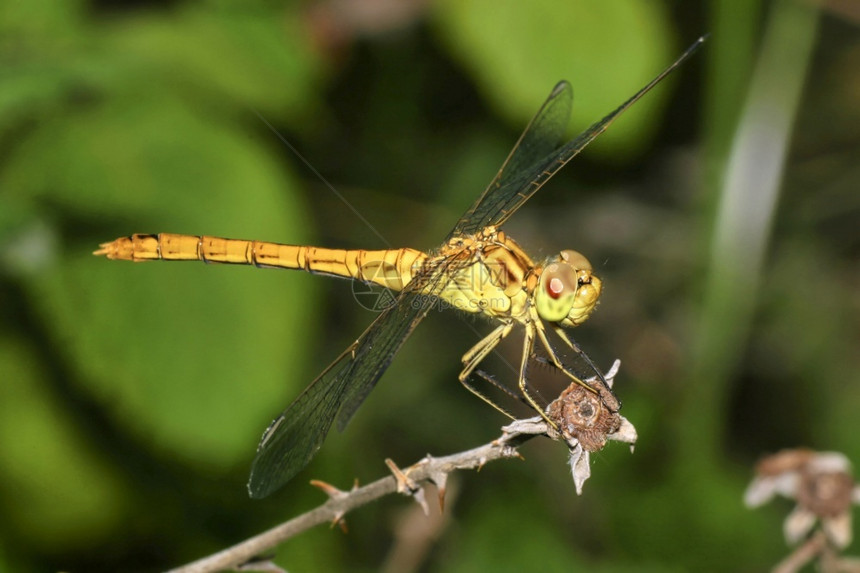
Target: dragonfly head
568	291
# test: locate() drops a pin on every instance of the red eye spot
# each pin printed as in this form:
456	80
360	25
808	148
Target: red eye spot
555	287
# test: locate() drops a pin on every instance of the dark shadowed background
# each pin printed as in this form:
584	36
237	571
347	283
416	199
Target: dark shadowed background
722	213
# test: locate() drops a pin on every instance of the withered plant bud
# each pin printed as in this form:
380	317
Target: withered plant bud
582	415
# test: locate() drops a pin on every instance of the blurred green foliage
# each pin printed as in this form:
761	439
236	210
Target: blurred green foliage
132	396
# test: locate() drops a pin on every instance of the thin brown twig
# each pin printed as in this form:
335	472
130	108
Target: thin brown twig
814	546
429	469
580	418
817	546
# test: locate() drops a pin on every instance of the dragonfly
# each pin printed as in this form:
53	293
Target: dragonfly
478	269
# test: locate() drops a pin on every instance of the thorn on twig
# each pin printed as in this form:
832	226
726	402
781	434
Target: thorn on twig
335	494
407	485
440	478
328	489
339	520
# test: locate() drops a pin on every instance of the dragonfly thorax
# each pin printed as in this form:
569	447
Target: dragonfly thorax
567	292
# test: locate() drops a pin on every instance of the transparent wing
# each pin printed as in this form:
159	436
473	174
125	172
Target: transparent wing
295	436
538	155
541	137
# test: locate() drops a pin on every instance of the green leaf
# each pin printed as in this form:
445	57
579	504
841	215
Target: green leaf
517	51
197	360
252	58
25	22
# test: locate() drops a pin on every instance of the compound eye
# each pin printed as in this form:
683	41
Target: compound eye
576	259
559	281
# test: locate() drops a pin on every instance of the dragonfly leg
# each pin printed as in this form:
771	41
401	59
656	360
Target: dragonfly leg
528	349
487	399
482	349
492	380
474	357
553	356
556	361
603	390
606	393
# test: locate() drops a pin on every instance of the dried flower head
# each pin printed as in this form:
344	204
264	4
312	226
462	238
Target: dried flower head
582	415
586	422
822	485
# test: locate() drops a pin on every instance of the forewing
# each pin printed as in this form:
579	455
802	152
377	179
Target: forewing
542	136
526	171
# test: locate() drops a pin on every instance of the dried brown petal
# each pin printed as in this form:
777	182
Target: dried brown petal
784	461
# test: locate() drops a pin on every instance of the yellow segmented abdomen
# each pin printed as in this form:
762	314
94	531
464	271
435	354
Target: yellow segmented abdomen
391	268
